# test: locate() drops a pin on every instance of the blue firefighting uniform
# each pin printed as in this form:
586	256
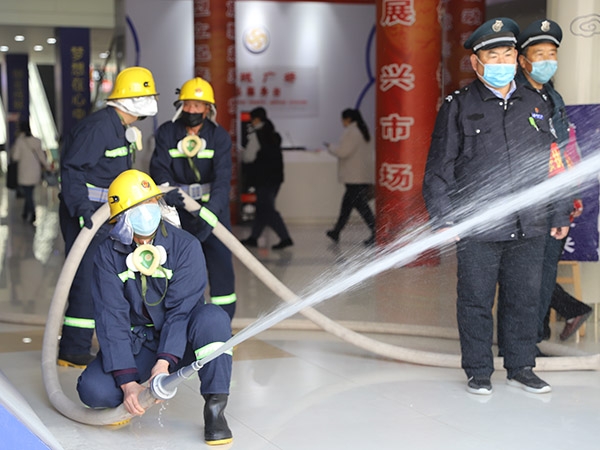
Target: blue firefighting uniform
93	154
484	147
211	173
134	332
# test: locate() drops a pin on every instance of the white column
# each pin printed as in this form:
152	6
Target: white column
579	53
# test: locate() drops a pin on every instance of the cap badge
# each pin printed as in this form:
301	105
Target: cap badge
545	26
497	26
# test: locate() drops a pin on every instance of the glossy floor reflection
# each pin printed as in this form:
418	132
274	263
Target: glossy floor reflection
295	387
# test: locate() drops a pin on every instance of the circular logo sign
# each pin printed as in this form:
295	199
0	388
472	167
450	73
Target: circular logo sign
256	39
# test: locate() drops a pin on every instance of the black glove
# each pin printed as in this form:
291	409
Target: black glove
174	198
85	214
198	226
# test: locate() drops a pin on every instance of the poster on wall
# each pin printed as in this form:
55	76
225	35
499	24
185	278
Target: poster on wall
282	91
582	242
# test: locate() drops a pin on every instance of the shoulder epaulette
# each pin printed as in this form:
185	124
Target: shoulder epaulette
450	97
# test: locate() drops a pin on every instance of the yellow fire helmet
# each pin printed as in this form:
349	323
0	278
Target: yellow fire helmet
197	89
129	189
133	82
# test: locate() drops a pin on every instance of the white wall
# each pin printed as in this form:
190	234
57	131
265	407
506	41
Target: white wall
165	34
332	38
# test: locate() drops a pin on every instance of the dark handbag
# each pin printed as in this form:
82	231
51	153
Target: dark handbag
12	181
50	177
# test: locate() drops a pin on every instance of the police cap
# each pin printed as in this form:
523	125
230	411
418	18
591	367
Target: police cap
543	30
498	32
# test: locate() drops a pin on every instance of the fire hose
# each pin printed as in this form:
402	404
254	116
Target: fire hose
164	387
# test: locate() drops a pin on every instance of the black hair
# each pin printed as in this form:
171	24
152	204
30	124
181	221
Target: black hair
259	113
24	128
354	116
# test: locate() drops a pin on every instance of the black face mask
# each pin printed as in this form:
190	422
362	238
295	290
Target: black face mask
191	120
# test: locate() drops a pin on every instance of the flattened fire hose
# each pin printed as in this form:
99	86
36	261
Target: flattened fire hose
80	413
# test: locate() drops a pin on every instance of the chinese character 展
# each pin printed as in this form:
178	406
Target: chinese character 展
397	12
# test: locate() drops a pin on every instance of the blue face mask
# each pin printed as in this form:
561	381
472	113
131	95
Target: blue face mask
145	218
542	71
498	75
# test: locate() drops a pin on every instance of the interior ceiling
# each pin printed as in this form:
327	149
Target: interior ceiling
100	40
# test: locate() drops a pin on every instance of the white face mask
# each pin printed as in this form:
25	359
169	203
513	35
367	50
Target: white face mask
137	106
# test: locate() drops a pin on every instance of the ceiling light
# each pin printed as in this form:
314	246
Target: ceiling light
51	41
19	38
38	48
103	55
3	48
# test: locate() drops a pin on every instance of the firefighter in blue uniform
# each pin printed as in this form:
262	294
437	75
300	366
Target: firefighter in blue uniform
494	126
194	153
99	147
148	285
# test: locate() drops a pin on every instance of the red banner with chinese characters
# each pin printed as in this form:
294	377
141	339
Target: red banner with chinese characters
214	60
461	18
407	99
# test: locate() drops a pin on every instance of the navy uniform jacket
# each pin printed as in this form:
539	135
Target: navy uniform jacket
484	148
119	305
95	152
214	163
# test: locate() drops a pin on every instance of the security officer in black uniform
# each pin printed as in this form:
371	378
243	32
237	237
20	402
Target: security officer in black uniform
538	61
99	148
492	139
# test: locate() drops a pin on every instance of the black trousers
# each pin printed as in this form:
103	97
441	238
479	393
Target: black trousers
516	267
552	294
266	214
356	196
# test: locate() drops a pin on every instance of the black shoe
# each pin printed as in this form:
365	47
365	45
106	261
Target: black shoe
334	236
250	242
479	385
573	325
283	244
216	430
78	361
529	381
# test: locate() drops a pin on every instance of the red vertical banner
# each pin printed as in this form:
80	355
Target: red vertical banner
409	41
461	18
214	43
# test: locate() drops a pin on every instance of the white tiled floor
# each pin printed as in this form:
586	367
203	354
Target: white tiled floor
298	390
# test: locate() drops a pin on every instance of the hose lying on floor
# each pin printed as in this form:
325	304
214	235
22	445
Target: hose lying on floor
80	413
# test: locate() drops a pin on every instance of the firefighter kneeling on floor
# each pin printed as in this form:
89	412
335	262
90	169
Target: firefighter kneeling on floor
148	293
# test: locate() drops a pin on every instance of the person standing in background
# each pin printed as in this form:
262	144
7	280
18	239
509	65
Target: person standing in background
538	61
27	151
356	170
265	165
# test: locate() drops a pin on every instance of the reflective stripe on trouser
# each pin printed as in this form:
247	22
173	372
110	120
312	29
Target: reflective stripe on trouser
80	323
208	349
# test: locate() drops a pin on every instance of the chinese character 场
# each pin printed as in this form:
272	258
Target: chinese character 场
397	12
396	177
395	128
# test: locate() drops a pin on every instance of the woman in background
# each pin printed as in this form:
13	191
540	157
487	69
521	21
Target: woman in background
356	170
27	151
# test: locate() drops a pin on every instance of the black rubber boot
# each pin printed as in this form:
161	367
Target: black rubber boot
216	430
